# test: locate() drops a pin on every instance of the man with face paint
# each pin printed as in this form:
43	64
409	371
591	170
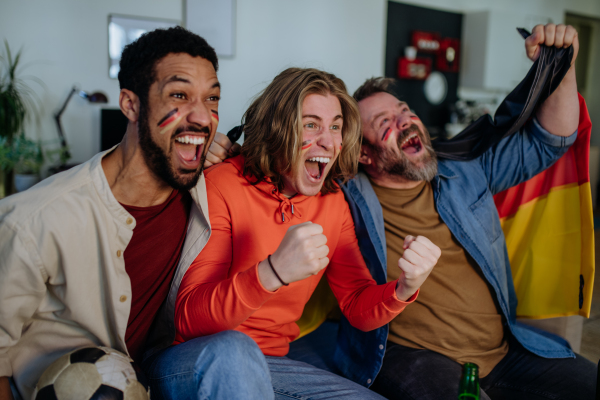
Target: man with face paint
466	309
280	224
94	256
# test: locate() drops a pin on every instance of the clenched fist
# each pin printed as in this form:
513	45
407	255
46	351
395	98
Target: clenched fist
419	258
551	35
302	253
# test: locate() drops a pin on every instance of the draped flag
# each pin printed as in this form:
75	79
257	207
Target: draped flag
548	225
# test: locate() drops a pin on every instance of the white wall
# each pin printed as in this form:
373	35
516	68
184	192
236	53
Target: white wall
68	39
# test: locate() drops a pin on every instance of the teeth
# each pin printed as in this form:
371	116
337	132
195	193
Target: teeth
411	136
188	139
323	160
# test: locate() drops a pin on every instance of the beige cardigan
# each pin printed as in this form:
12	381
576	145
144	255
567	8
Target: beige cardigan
63	283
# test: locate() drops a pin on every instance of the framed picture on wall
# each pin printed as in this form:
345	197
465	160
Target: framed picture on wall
124	29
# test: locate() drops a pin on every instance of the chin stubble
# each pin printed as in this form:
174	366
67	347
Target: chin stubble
392	164
160	163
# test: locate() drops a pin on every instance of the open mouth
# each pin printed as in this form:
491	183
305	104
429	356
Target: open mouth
189	148
315	167
411	144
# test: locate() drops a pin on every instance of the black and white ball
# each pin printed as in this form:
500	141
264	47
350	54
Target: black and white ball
91	373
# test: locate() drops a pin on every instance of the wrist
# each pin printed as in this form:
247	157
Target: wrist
267	278
403	293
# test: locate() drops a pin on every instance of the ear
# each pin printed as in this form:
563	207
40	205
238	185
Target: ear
129	103
365	157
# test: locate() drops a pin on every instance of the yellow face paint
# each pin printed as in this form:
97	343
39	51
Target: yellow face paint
169	121
306	144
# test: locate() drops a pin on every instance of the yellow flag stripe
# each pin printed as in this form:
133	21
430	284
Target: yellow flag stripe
550	244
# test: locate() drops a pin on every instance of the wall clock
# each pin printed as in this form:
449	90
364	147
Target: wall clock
435	87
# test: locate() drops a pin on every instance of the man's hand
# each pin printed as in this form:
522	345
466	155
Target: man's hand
220	149
559	114
302	253
420	256
560	36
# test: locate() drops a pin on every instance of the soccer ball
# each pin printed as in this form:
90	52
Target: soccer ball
91	373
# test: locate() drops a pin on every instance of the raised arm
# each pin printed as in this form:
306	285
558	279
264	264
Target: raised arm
559	114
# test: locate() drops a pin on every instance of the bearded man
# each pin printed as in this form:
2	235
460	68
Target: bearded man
466	311
88	256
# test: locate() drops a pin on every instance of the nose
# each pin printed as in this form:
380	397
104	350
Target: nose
403	121
325	139
200	114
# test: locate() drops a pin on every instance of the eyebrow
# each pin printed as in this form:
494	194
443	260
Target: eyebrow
176	78
319	118
374	118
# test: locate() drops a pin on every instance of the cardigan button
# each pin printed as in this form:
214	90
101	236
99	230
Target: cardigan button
123	299
380	347
368	381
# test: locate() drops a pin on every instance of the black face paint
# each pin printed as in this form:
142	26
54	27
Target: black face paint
166	120
385	134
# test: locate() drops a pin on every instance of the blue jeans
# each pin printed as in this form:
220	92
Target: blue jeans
298	380
229	365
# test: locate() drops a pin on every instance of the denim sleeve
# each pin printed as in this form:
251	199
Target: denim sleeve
523	155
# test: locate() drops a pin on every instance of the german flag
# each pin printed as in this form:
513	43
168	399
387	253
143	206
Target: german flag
548	225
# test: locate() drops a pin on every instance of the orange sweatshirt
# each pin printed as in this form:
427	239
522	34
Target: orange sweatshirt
221	289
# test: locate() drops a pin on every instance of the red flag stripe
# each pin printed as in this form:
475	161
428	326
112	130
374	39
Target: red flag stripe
560	174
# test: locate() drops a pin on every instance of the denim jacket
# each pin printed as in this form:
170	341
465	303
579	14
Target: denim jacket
463	194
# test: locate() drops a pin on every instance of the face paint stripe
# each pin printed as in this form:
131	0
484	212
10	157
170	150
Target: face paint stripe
164	121
166	126
215	115
306	144
386	134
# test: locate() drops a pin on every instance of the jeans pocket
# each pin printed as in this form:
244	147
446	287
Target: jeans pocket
484	211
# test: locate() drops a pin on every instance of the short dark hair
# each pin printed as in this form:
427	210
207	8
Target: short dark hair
373	86
139	58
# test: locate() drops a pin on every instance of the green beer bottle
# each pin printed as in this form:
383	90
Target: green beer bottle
468	387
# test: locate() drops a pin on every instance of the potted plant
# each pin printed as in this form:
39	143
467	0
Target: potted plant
17	100
25	157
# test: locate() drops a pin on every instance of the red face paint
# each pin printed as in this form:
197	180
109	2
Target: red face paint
306	144
386	134
167	119
415	118
215	115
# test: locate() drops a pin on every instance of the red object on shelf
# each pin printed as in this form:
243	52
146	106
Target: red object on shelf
419	68
448	55
426	42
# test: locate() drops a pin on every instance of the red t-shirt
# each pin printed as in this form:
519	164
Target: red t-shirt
150	261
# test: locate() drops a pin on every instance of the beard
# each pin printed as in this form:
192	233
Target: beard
159	161
393	164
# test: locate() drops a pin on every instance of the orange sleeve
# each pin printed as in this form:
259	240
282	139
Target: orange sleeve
210	299
365	304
